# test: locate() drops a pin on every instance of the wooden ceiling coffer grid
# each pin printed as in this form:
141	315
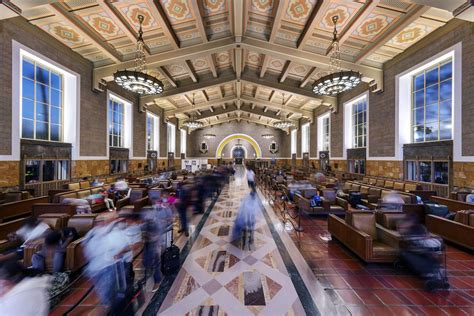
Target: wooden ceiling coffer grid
238	56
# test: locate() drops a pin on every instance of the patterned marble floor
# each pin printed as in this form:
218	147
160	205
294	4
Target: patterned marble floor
220	277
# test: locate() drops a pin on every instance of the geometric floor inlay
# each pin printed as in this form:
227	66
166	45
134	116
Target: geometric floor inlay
243	277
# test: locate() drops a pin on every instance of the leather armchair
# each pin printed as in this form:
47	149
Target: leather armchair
135	201
304	205
367	240
459	231
153	196
333	204
75	258
7	228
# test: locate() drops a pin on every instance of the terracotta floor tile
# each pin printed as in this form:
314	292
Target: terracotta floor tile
432	310
402	310
460	300
368	297
359	310
455	311
416	297
380	310
389	297
73	296
349	297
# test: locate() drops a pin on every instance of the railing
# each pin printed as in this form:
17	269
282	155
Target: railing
42	188
441	190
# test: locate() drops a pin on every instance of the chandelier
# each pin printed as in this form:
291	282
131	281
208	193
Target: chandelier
209	136
138	80
337	80
267	136
192	123
284	123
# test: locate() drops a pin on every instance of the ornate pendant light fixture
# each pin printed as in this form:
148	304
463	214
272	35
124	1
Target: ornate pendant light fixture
138	80
284	123
337	80
192	123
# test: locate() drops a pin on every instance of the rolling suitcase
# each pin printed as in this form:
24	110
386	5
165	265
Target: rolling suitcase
170	257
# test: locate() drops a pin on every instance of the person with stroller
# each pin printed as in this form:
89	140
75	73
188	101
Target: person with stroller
421	252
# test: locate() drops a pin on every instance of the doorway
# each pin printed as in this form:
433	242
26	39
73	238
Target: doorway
238	154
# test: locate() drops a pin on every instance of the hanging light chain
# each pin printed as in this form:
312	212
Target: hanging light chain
335	56
140	60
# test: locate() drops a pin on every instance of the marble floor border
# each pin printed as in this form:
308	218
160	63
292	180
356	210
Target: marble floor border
309	289
167	281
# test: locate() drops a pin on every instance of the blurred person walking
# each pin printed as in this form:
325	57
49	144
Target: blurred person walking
245	222
21	295
105	247
251	178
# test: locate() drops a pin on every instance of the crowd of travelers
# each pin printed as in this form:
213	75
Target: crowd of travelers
110	247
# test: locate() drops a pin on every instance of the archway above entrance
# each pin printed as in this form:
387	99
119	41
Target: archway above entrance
246	137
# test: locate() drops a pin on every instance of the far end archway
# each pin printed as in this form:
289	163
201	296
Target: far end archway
246	137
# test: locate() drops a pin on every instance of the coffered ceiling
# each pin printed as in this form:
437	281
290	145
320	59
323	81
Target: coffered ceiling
239	58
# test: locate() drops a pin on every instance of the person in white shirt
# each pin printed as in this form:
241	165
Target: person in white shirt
470	197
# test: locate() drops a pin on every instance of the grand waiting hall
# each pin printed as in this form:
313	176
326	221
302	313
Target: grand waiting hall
236	157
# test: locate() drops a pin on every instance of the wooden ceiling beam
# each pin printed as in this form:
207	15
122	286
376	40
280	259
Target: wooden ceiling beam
309	76
238	62
200	106
279	5
62	12
315	18
369	74
410	17
167	76
247	119
238	19
190	69
160	16
197	8
212	65
266	61
286	70
167	58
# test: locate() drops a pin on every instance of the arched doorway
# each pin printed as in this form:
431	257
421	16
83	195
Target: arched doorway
238	154
244	137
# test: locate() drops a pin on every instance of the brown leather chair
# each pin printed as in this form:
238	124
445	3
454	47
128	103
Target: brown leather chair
84	184
135	201
7	228
372	198
399	186
459	231
304	205
333	204
55	220
367	240
380	183
73	186
75	258
389	184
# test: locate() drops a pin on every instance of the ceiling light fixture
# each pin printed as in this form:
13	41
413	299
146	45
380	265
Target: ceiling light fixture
209	136
137	80
267	136
192	123
337	80
284	123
